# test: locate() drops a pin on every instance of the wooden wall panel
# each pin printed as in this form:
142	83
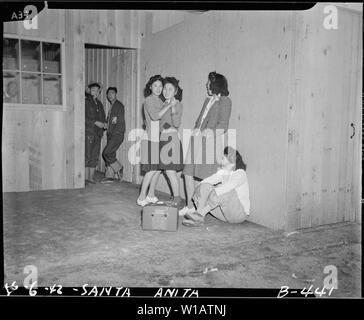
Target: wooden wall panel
125	63
134	115
111	28
294	87
357	158
78	82
49	131
33	155
15	151
31	160
50	25
68	119
50	155
323	103
163	19
355	115
295	120
11	27
257	68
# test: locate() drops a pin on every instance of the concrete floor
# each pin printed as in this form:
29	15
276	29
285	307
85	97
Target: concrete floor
93	236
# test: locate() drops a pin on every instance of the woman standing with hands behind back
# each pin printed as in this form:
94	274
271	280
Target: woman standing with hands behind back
212	122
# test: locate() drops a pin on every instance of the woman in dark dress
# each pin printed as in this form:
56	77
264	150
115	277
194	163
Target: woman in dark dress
212	122
152	107
171	152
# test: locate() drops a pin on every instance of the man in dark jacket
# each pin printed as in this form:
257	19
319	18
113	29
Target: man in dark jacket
115	136
95	123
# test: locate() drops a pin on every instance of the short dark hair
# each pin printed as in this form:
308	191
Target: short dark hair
174	82
235	157
94	84
147	90
218	84
111	88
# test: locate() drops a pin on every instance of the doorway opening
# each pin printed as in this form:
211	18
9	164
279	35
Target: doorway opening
115	67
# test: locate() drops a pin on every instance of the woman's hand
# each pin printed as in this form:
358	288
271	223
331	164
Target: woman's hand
173	107
172	102
166	106
208	133
99	124
196	132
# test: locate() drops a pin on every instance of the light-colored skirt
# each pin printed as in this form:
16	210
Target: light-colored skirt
226	207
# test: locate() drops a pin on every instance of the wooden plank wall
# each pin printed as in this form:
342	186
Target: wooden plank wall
295	89
323	166
27	155
111	27
32	140
163	19
45	149
289	80
114	67
50	25
252	49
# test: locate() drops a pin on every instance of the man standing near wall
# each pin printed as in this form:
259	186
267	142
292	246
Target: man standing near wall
115	137
94	129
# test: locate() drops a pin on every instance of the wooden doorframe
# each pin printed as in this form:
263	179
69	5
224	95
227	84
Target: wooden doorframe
133	86
136	106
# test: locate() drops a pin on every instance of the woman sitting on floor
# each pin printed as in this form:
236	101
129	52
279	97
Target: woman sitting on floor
224	194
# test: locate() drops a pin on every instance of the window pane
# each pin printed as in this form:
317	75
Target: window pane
11	87
51	57
11	54
52	88
31	89
30	55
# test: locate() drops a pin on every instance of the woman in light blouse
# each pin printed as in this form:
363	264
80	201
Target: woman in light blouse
224	194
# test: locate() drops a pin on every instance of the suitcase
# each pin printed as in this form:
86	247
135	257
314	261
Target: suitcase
162	216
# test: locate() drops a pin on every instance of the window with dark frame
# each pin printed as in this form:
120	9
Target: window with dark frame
32	72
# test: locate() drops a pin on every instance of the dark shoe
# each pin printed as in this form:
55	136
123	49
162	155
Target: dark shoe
91	181
192	223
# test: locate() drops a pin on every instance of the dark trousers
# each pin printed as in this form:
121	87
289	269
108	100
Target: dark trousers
113	144
92	150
